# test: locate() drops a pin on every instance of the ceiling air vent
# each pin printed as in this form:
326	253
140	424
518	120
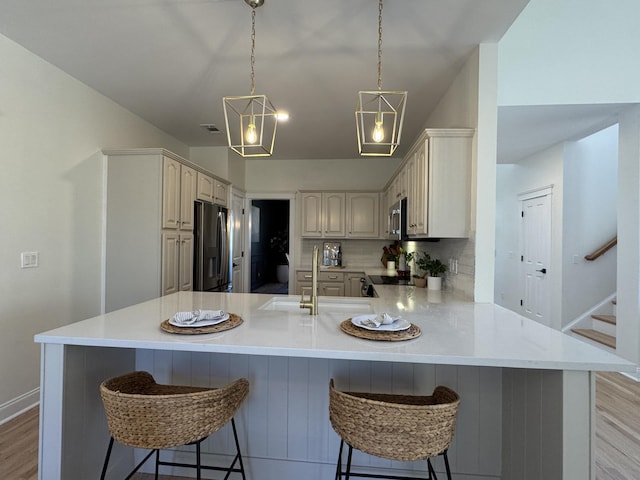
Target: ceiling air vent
210	127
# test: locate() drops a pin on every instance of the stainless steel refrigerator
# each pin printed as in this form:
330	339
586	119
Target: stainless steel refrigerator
211	254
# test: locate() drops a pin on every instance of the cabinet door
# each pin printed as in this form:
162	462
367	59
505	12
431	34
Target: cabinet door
187	196
311	222
186	262
384	215
353	285
205	187
416	184
363	215
331	289
333	214
420	191
448	201
303	288
170	262
170	193
220	193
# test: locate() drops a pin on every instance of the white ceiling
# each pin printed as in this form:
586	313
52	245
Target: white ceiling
172	61
525	130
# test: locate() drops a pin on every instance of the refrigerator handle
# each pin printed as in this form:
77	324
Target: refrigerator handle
224	248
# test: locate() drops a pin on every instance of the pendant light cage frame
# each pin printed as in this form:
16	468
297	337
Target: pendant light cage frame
239	113
255	112
384	106
377	110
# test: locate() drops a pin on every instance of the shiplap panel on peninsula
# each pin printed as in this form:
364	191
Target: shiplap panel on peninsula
284	423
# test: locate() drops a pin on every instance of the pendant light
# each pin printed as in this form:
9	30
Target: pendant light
379	114
251	120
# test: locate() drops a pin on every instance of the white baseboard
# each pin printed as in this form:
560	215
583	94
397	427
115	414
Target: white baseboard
633	376
19	405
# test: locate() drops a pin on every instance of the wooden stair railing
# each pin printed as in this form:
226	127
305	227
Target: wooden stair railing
602	250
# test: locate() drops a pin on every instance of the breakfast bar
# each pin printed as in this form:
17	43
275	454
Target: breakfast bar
527	391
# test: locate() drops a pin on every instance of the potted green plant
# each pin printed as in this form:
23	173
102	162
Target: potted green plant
422	262
435	269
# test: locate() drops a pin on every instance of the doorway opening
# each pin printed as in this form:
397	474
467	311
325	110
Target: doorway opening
270	246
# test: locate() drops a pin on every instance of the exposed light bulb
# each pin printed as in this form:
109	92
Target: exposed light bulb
378	132
251	135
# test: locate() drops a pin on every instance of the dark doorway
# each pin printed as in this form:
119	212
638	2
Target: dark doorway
269	246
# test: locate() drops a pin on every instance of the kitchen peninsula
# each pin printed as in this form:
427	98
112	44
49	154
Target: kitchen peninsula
527	391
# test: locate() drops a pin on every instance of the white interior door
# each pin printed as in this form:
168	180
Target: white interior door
535	258
237	253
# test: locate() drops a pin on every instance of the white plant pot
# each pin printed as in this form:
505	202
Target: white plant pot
434	283
282	273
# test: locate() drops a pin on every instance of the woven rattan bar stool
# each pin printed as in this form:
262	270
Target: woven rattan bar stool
144	414
396	427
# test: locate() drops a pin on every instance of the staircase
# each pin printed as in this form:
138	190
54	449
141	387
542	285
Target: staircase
603	328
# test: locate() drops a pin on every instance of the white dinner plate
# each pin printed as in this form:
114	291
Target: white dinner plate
400	324
201	323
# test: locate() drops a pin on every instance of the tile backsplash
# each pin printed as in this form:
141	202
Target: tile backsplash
457	253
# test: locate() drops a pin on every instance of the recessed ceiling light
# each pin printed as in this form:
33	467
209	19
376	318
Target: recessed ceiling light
282	116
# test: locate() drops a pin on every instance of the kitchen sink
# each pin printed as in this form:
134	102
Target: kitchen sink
325	305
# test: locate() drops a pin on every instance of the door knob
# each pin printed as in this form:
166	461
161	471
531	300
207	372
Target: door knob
542	270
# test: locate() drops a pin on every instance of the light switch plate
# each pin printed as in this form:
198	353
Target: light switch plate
29	259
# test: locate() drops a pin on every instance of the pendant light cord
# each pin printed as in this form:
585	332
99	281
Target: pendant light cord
253	48
380	45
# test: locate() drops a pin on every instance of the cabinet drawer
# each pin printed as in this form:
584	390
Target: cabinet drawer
305	276
331	277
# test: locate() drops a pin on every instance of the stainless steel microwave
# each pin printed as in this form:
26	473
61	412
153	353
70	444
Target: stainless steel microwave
398	220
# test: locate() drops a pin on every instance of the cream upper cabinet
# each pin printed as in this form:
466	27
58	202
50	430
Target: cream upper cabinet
170	193
220	193
206	186
311	208
439	171
212	190
178	194
187	197
363	214
333	214
323	214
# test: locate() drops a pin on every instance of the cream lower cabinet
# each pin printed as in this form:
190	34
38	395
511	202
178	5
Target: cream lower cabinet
177	262
353	286
330	284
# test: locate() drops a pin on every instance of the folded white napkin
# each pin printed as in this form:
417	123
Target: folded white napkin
208	314
381	319
187	318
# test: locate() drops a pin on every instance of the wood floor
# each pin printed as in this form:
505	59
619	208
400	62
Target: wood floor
617	435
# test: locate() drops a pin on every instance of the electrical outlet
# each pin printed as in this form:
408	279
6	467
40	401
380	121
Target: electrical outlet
29	259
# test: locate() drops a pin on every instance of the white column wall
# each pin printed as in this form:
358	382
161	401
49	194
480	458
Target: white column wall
628	309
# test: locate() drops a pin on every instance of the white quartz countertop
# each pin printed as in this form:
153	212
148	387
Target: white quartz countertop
454	331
